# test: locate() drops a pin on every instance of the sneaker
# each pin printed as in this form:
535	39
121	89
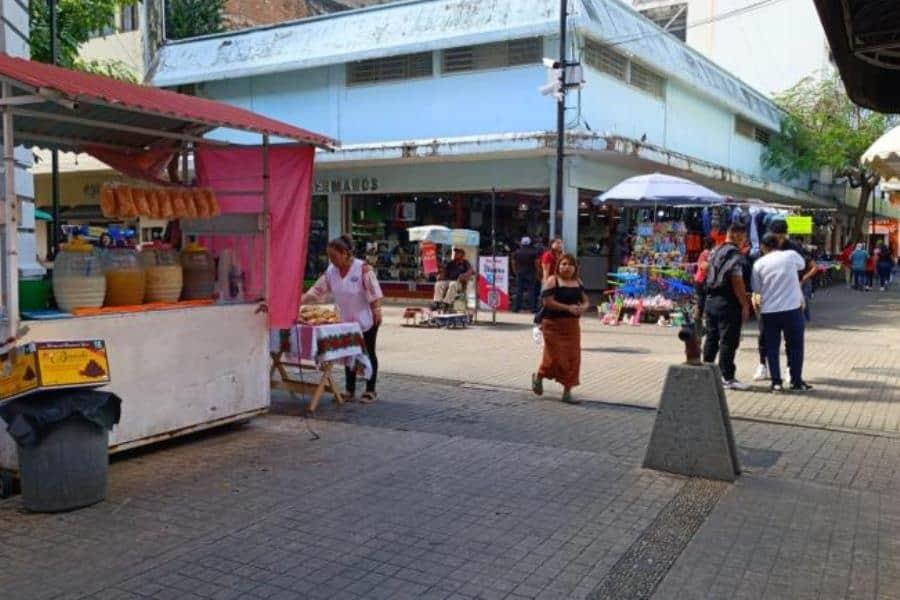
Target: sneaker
801	387
762	373
777	388
736	385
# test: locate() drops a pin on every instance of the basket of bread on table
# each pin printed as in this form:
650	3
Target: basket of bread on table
319	314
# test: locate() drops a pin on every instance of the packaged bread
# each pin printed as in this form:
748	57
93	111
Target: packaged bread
212	202
200	203
166	208
189	204
318	315
153	204
178	204
140	201
125	201
108	204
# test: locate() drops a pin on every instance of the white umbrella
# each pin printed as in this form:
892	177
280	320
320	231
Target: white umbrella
657	189
883	156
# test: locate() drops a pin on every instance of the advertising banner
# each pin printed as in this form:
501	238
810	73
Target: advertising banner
493	283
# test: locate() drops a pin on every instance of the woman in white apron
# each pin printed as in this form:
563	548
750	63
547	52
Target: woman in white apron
356	291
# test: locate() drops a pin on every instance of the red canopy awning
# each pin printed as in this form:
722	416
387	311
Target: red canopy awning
60	108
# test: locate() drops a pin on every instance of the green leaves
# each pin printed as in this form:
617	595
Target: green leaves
822	127
77	20
192	18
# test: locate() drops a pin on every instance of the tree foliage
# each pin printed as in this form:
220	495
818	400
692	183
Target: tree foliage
77	20
822	127
191	18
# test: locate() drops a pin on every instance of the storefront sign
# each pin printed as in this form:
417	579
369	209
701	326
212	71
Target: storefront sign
347	185
46	365
798	225
429	258
493	283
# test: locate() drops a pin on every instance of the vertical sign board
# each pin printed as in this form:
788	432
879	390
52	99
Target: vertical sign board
493	282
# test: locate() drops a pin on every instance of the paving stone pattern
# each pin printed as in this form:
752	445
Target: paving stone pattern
852	359
454	490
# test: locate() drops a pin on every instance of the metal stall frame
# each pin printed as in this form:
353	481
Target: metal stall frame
57	108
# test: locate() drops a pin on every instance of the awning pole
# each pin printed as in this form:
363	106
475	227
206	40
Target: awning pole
10	230
54	154
267	221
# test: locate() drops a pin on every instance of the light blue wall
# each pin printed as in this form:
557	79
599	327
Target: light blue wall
491	102
610	106
453	105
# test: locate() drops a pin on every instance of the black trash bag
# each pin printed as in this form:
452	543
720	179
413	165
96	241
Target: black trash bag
29	418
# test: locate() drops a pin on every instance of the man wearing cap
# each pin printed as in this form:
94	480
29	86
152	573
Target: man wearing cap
779	229
452	279
781	309
525	265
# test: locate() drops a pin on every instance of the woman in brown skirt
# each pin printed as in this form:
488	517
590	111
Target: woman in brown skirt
564	303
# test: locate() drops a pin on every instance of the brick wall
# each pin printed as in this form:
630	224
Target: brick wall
240	14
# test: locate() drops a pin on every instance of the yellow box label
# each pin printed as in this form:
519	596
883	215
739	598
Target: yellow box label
63	364
23	375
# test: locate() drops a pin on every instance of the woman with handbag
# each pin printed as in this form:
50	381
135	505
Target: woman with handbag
564	303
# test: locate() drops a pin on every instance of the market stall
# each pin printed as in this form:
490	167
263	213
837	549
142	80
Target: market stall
666	220
181	359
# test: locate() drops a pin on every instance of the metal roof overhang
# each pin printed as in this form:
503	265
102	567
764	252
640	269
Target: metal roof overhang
865	40
57	108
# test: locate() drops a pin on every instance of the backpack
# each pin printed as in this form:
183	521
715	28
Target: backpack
720	264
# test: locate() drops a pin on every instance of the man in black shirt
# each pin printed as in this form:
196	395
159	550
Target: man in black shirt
727	305
810	268
452	279
525	263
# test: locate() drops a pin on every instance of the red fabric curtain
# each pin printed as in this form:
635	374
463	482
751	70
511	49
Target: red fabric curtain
290	199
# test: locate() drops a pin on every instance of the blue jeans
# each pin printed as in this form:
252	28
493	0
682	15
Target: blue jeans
526	285
859	278
792	325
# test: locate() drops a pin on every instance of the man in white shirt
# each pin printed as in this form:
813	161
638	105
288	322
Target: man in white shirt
781	308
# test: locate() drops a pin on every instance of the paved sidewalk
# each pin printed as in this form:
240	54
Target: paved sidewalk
445	491
852	359
448	489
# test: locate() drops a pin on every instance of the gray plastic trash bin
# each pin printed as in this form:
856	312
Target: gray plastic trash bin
62	437
67	469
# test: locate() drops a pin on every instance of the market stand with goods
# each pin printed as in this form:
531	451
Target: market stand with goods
182	343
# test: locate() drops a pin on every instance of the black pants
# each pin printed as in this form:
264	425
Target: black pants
723	336
370	337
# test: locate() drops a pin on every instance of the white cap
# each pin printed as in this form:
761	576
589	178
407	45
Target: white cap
526	241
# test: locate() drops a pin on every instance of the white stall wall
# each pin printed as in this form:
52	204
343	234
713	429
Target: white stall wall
175	370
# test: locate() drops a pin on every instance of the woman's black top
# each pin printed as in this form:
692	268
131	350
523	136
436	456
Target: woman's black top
563	295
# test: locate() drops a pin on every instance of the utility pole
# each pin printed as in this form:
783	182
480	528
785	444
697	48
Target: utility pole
54	154
556	198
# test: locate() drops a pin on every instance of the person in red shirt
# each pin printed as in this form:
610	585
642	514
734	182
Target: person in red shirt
844	259
550	259
870	271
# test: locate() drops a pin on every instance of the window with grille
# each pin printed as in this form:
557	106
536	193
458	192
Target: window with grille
492	56
392	68
750	130
606	60
645	79
131	18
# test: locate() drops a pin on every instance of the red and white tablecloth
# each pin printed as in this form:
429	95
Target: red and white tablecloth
340	343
